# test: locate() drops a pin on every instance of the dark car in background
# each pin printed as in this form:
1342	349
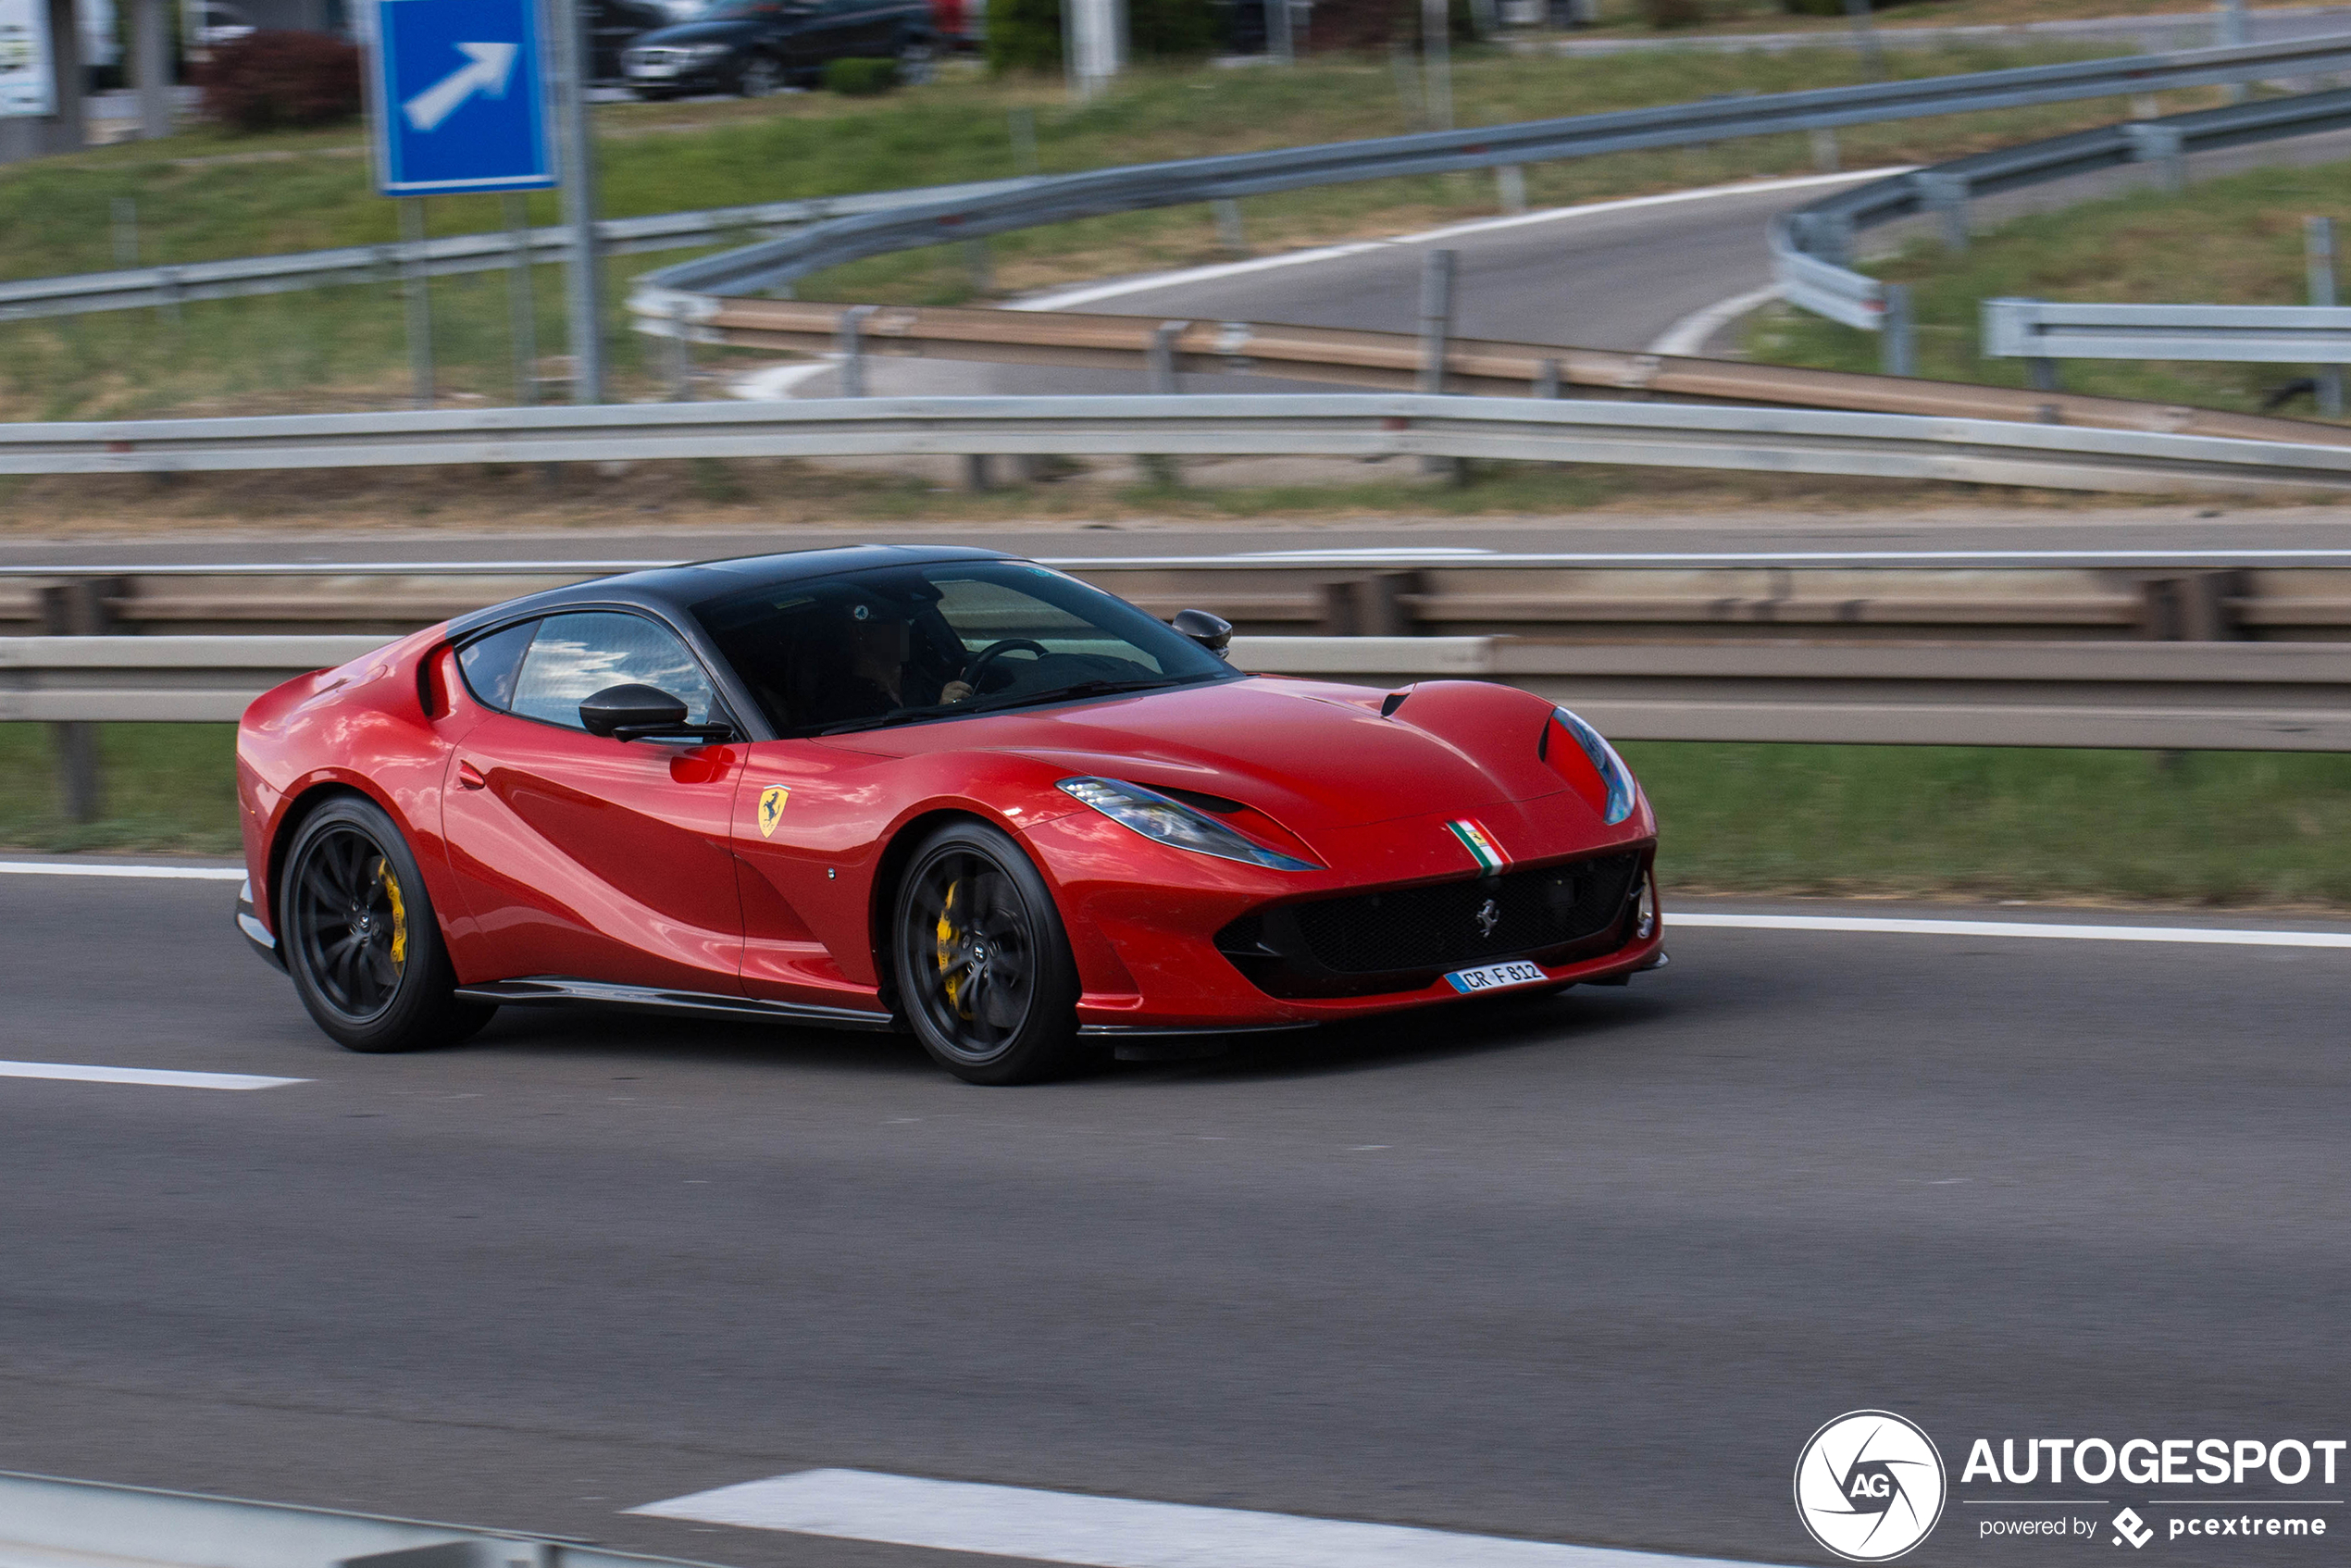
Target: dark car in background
613	25
755	47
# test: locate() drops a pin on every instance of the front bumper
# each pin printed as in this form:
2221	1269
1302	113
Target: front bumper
1145	920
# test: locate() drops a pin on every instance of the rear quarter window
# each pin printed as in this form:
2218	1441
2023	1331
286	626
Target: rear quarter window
492	663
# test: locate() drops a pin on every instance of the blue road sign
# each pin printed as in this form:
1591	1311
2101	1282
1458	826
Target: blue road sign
460	97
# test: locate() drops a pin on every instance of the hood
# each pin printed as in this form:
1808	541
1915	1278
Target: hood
1308	754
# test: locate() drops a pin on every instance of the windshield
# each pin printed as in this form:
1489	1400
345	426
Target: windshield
943	640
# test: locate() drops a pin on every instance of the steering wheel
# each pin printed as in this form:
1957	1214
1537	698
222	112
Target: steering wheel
980	661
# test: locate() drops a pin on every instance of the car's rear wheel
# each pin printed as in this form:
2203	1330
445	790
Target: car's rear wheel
358	934
917	61
982	963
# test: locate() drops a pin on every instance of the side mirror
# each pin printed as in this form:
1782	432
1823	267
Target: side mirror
1211	632
640	712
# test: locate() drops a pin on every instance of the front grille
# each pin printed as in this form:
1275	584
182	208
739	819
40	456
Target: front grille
1404	937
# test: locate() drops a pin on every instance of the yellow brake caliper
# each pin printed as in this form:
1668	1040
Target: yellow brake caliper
948	977
390	885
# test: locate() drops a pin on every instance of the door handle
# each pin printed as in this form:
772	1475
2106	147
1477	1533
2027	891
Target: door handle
469	777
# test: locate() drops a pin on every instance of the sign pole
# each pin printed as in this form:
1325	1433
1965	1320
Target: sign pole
586	284
420	301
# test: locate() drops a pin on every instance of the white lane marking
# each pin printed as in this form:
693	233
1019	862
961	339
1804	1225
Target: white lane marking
1085	293
1098	1532
2191	935
1688	335
775	383
154	1077
151	873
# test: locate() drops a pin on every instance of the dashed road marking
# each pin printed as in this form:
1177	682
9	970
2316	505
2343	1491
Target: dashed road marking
154	1077
1100	1532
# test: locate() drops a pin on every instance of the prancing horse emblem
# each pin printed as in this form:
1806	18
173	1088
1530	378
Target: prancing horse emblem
1489	914
771	809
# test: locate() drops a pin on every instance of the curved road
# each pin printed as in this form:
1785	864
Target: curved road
1587	1269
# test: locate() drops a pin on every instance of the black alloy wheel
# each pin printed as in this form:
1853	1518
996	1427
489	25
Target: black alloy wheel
982	963
358	934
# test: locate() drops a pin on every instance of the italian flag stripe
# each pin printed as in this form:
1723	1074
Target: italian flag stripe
1482	848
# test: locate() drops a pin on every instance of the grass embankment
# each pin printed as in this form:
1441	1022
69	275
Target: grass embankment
2206	828
2232	240
206	195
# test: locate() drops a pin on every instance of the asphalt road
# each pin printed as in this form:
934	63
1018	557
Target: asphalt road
1588	1269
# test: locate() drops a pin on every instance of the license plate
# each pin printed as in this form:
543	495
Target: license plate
1494	977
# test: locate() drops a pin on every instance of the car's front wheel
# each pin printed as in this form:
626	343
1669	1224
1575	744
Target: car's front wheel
981	962
357	931
760	78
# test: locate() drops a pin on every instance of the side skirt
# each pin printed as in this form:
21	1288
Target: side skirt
551	988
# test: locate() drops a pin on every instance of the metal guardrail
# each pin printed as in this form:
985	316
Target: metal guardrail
1350	356
136	288
2267	334
835	229
2227	696
1812	247
1065	197
2282	595
47	1521
2183	29
1755	440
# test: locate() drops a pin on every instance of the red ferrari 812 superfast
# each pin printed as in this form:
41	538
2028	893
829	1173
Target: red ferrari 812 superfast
945	791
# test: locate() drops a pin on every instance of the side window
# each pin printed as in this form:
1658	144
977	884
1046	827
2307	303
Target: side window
576	657
490	664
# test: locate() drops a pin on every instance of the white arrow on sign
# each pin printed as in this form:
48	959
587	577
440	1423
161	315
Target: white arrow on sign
493	65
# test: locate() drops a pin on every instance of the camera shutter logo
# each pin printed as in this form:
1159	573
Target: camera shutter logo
1869	1486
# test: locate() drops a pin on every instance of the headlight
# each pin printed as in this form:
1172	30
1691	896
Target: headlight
1611	768
1171	822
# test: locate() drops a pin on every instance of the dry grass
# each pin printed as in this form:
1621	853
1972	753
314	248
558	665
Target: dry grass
1624	16
2232	240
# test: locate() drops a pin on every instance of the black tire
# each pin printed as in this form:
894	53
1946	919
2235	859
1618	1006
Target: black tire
981	962
359	937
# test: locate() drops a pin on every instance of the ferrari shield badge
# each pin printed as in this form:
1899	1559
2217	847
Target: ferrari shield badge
771	808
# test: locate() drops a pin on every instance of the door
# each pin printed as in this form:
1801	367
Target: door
582	856
806	814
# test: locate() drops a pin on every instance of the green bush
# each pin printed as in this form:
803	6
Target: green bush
1679	13
855	78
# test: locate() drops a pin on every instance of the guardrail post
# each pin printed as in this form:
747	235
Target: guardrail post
1547	380
1436	60
1509	188
2319	237
2160	145
1825	156
1369	607
1436	332
849	338
419	303
2192	607
975	478
1898	342
1946	196
977	262
1865	39
1230	233
681	354
522	305
1023	123
1162	363
2231	33
126	231
78	608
